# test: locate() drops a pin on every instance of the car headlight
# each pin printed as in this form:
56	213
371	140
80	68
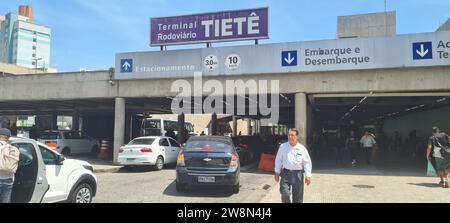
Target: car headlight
89	168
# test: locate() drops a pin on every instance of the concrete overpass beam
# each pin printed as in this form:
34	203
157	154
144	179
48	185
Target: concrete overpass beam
119	126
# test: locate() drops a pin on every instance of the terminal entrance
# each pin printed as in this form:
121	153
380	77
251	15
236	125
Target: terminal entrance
400	123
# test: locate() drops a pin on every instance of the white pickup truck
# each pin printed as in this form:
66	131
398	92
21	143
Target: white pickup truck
44	175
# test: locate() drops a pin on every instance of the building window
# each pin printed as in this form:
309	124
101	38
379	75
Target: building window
34	39
33	55
33	63
34	47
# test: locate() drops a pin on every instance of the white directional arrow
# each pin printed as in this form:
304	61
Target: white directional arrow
126	65
289	59
422	51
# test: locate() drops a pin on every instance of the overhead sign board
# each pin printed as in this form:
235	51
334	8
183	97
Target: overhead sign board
248	24
412	50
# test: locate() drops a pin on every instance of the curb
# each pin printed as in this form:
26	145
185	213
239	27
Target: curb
107	170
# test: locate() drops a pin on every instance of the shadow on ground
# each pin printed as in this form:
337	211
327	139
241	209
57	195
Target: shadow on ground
425	185
199	191
141	169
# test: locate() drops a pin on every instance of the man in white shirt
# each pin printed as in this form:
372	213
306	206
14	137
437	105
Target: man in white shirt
291	163
367	143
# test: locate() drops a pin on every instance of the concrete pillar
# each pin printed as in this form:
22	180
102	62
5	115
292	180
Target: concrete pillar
258	126
235	133
54	124
75	120
213	124
128	127
181	133
301	116
249	127
119	126
309	124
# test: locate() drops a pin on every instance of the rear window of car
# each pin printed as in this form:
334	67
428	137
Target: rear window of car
50	135
208	146
141	142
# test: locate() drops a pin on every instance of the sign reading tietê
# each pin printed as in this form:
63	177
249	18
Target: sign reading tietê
248	24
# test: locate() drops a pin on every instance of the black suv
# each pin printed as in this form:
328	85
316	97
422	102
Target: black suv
208	160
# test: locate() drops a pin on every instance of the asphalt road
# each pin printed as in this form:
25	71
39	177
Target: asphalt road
143	185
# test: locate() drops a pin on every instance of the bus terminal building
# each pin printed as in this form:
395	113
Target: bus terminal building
388	83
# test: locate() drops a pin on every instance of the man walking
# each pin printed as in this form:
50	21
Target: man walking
9	158
435	144
367	143
291	163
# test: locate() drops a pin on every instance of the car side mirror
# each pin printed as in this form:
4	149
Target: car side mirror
60	159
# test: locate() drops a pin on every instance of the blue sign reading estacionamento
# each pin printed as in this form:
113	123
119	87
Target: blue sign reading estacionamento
289	58
422	50
126	66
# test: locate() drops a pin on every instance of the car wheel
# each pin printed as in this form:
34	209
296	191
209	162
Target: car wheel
66	151
159	163
235	188
82	194
180	187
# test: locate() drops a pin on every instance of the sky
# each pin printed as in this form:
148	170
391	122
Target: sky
86	34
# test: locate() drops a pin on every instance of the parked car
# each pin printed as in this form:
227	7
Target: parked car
68	142
208	160
149	150
44	175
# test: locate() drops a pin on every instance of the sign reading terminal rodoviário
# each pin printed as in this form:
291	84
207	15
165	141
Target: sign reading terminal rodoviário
248	24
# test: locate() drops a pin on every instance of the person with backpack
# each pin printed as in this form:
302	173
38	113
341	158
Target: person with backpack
438	148
9	159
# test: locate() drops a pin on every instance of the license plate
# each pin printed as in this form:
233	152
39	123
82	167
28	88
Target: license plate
131	159
206	179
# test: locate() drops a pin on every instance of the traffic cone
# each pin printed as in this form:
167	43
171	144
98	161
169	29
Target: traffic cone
104	155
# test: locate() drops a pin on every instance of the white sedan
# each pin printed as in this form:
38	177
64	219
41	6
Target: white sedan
149	150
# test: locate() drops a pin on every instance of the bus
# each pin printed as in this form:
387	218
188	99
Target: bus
159	127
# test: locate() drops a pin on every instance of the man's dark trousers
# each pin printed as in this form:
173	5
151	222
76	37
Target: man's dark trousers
368	153
291	179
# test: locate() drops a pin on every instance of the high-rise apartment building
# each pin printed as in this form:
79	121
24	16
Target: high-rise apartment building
24	42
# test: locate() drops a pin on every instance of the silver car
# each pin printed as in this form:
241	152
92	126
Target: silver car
68	142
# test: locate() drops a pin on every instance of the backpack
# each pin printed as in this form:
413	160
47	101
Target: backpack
9	158
445	150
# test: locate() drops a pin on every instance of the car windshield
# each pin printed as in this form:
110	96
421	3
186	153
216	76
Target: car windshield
207	146
141	142
152	124
50	135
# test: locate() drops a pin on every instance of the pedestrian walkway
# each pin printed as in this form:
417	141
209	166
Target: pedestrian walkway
368	185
